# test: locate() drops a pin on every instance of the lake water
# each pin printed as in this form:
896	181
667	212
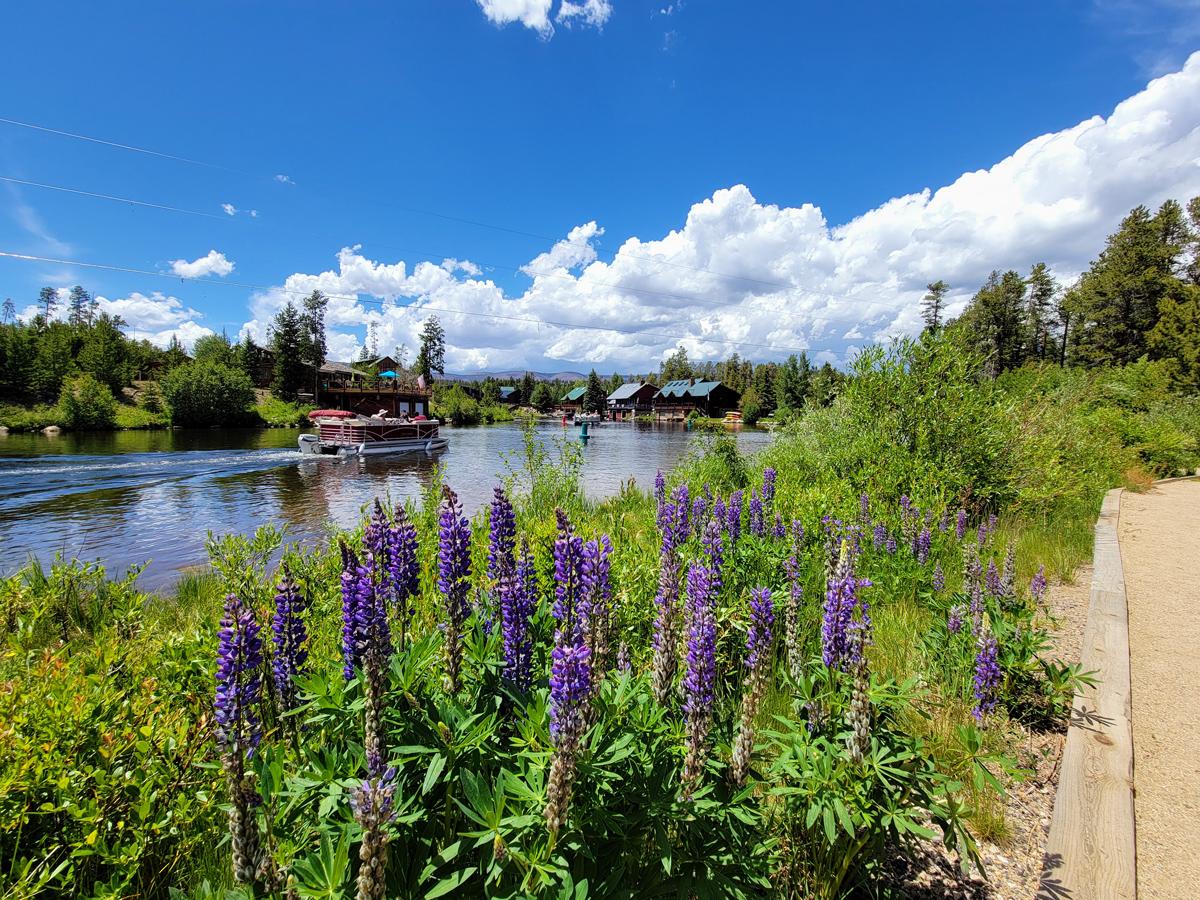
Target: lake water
134	497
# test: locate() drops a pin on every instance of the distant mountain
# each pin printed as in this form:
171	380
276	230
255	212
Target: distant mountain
513	375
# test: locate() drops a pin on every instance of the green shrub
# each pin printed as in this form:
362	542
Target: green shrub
208	393
33	418
278	413
151	399
134	418
87	405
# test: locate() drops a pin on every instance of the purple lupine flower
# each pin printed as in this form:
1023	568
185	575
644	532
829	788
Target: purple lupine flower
372	803
864	508
714	549
699	512
403	565
954	623
720	513
759	657
1008	576
623	661
502	536
768	488
762	620
518	599
570	672
944	521
1037	586
666	620
844	609
891	544
238	732
939	577
733	517
795	601
454	567
700	676
981	534
239	679
922	546
779	532
756	514
594	603
683	506
360	608
987	676
994	585
960	524
290	638
660	492
881	536
906	507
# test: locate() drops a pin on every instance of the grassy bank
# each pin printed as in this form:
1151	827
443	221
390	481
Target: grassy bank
267	412
791	768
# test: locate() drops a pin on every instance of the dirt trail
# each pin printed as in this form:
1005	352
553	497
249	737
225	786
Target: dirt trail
1160	549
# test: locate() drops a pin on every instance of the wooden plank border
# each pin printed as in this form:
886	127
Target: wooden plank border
1091	851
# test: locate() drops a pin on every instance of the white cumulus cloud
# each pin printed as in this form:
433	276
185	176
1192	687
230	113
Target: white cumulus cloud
156	318
230	209
587	12
212	263
533	14
772	278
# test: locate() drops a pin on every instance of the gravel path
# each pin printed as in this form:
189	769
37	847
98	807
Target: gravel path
1160	550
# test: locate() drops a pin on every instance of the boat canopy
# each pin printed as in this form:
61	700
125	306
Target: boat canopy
330	414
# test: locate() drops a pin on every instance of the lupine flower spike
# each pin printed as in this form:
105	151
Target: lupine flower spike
858	741
290	638
403	566
518	599
666	621
759	660
987	676
454	565
570	674
844	609
1037	586
939	577
795	599
372	803
238	696
960	524
700	677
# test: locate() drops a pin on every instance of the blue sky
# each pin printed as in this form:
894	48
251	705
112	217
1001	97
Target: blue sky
766	159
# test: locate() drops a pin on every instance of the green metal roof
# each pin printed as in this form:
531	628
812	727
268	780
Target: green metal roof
573	394
682	388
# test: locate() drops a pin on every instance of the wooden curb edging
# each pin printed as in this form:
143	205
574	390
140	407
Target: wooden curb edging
1090	850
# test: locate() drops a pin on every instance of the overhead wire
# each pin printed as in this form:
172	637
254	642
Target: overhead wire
424	307
689	298
418	211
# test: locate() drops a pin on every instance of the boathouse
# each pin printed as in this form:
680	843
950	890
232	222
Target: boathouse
572	400
343	386
634	398
680	399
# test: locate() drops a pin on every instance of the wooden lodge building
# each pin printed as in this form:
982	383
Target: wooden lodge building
635	398
343	386
676	400
572	400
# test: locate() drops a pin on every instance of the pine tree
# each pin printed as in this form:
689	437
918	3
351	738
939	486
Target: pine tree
48	298
313	346
432	355
287	336
9	314
933	303
595	398
79	307
528	386
677	367
1043	290
792	383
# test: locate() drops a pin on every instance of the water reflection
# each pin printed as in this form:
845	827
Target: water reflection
132	497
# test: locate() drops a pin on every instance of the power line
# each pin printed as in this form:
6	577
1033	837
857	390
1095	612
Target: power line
689	298
411	209
67	190
114	144
424	307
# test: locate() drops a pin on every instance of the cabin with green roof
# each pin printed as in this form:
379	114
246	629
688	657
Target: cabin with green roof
679	399
572	400
634	398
